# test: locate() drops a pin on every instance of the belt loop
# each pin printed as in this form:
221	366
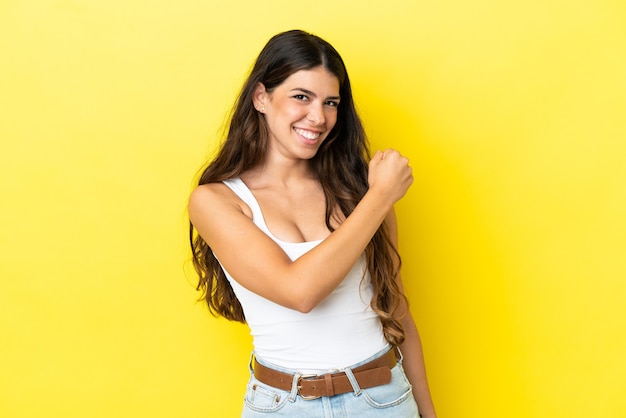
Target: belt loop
355	385
328	380
294	386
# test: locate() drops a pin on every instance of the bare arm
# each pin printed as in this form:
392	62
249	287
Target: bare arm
265	269
413	356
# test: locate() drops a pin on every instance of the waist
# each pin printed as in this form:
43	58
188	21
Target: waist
370	374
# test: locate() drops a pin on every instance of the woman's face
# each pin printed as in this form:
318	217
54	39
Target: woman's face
300	112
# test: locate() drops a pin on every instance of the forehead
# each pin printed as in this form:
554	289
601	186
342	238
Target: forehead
318	79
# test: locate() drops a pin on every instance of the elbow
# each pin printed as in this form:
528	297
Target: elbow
302	297
305	308
303	303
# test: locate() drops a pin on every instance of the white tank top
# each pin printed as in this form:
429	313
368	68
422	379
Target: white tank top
341	331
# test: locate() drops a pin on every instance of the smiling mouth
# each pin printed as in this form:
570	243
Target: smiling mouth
306	134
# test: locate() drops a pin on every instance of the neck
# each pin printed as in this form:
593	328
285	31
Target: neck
280	171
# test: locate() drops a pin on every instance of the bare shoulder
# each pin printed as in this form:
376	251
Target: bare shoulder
212	198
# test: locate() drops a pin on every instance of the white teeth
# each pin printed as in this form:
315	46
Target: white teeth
307	134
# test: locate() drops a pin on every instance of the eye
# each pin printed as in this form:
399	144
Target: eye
301	97
331	103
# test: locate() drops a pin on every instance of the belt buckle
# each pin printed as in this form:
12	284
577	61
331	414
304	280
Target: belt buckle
299	386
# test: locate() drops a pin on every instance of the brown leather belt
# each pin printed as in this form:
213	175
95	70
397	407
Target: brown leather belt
375	373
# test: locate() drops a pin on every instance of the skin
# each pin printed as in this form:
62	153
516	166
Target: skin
413	361
300	113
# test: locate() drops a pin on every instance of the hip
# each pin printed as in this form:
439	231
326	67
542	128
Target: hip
382	390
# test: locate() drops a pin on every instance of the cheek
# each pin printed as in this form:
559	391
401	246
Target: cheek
292	113
331	120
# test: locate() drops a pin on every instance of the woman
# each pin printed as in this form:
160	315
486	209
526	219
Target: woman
293	232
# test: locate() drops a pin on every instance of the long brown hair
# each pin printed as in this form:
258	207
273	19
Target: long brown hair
340	165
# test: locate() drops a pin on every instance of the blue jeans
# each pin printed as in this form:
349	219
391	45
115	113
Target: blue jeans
393	400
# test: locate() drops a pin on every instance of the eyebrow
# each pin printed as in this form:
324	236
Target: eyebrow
310	93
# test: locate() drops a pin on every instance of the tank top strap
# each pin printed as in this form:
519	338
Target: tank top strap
240	189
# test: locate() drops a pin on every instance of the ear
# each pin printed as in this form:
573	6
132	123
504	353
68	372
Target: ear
260	97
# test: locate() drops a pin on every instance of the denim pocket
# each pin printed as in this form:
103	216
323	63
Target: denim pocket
264	398
394	393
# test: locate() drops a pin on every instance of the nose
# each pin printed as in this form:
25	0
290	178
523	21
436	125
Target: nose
316	114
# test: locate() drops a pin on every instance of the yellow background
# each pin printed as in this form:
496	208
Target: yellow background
514	234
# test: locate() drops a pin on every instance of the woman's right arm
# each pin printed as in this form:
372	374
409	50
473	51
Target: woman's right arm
261	266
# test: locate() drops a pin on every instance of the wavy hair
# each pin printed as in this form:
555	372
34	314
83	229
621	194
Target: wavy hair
340	164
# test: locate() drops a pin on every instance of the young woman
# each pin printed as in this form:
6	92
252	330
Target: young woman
293	232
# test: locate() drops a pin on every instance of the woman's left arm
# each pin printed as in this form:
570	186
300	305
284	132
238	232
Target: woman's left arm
413	356
413	363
